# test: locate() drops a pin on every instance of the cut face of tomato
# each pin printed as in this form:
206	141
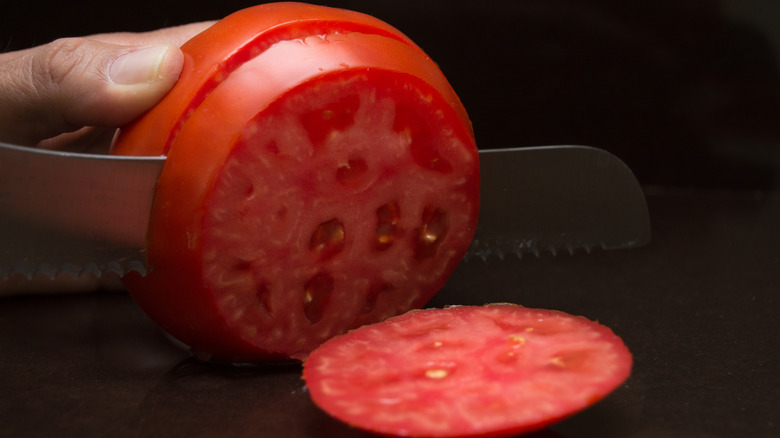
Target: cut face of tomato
465	371
324	218
321	175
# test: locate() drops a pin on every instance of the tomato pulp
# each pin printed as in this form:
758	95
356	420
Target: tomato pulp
495	370
321	174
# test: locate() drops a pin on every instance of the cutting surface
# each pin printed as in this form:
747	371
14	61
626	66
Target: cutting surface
698	307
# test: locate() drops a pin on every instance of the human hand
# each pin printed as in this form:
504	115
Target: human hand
74	92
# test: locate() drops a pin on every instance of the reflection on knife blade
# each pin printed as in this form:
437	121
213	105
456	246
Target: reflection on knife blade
75	213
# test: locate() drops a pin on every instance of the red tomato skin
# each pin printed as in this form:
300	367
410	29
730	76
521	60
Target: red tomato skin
196	116
233	40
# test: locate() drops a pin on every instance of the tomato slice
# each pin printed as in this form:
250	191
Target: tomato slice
321	175
493	370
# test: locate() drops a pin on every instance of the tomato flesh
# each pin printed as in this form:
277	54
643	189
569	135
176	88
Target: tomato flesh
320	218
466	371
321	175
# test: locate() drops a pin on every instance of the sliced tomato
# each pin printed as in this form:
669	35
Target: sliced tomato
321	175
494	370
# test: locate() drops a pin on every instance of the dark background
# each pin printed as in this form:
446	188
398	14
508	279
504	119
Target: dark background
687	92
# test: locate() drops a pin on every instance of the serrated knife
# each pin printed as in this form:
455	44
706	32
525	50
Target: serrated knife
76	213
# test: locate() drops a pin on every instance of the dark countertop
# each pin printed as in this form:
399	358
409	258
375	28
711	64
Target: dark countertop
698	308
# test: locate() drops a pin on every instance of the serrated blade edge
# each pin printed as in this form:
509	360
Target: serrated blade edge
75	270
557	199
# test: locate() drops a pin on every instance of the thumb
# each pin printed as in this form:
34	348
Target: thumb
75	82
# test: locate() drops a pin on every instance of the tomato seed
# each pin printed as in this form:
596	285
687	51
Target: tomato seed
436	374
328	238
387	217
516	340
316	295
384	236
558	362
430	235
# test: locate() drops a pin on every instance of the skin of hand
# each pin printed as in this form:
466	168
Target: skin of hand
73	93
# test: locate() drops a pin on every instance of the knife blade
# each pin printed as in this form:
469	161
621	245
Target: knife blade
76	213
73	213
557	199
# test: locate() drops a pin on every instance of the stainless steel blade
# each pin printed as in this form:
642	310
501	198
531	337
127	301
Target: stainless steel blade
77	213
557	199
73	213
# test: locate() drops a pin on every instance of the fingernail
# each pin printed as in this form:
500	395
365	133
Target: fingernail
138	67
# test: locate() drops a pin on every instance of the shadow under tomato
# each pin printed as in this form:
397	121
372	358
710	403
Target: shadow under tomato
196	398
213	399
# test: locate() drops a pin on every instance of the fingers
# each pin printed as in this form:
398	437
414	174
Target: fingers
176	35
106	80
75	82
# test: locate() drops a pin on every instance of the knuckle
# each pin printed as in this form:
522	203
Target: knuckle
58	60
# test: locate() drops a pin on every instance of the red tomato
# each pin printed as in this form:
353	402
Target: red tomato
494	370
321	175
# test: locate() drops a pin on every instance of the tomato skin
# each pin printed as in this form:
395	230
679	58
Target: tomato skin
237	73
466	371
233	40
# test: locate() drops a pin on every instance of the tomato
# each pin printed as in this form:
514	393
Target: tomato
321	174
493	370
